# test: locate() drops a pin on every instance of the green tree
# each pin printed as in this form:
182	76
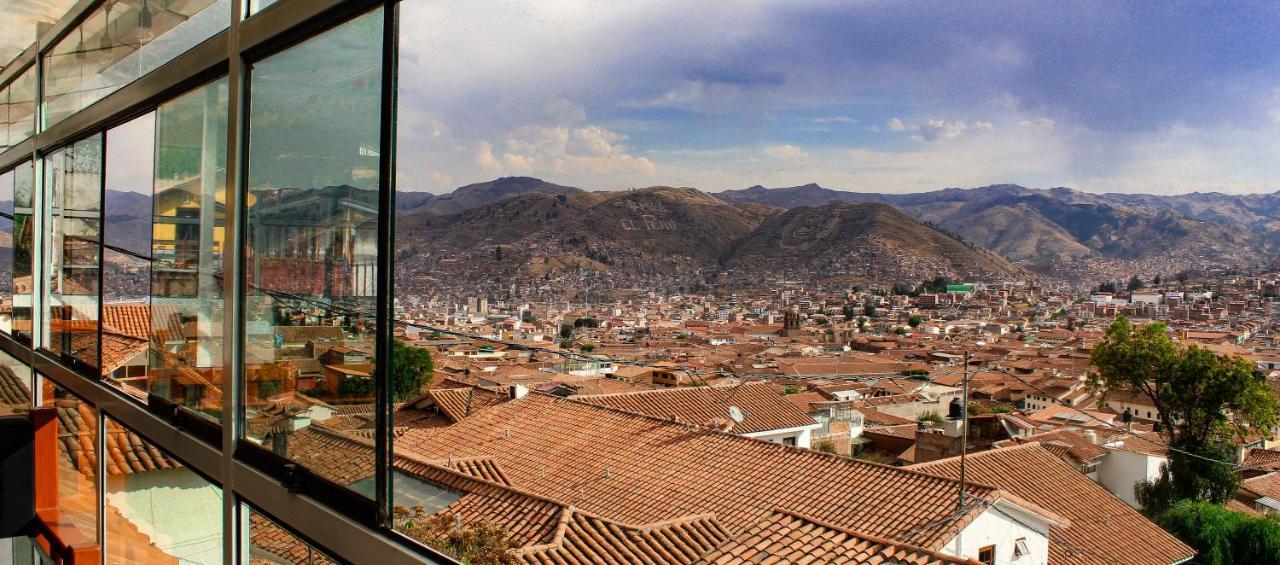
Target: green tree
869	309
931	417
915	320
1135	283
1221	536
497	254
566	331
411	371
847	311
1200	397
1156	281
587	348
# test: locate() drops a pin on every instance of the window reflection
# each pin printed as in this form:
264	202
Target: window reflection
185	317
6	252
15	386
119	42
23	247
125	270
18	109
74	179
270	544
311	247
77	432
157	510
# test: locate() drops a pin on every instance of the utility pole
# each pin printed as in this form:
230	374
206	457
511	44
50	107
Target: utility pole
964	429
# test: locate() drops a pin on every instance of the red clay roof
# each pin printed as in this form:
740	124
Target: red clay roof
640	470
1102	531
787	537
764	408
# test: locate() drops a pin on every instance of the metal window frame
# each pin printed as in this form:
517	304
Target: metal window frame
367	537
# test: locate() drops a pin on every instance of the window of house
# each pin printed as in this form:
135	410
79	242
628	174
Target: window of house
987	555
791	441
1020	548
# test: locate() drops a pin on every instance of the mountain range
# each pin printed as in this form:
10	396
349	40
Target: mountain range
523	228
1040	227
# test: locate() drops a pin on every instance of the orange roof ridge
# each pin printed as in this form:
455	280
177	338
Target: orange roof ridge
557	538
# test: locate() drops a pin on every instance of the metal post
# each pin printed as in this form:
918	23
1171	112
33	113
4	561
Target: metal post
964	430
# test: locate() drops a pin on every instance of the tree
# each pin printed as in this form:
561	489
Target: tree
1199	396
1134	283
411	371
931	417
900	330
1221	536
566	331
587	348
527	317
915	320
869	309
1156	281
497	254
847	311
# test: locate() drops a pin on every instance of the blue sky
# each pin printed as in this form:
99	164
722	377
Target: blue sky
864	96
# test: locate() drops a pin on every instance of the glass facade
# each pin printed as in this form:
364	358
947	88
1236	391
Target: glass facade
311	245
24	299
18	109
117	283
77	460
120	42
157	510
271	544
73	217
186	250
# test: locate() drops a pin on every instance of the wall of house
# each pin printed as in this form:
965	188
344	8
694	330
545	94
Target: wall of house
177	509
1119	471
802	435
1002	528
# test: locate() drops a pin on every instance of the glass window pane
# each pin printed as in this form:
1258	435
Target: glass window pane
6	251
157	511
77	431
120	42
73	176
186	249
270	544
18	109
15	385
126	272
311	243
23	246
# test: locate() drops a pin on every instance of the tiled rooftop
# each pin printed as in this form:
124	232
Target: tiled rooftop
763	407
786	537
1103	530
639	470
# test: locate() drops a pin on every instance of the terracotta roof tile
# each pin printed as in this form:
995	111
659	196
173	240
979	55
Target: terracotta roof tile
786	537
1103	530
764	408
638	470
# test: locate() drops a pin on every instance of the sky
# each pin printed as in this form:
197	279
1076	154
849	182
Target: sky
1161	98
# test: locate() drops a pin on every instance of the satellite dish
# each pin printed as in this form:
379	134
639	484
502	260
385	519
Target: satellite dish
737	414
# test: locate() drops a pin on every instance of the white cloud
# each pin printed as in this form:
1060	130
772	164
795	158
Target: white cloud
1043	123
786	152
937	130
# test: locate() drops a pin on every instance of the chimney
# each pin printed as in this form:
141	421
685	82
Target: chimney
1091	435
517	391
